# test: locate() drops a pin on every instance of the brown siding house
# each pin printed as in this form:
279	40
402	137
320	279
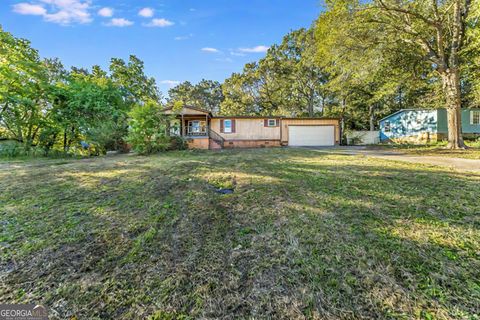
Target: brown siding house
204	131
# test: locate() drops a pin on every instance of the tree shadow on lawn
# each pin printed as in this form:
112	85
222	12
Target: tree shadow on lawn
438	255
296	239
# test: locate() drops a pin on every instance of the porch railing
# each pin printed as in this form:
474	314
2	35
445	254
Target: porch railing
217	138
197	132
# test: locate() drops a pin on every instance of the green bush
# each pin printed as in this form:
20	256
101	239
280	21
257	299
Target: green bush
47	139
14	149
10	149
177	143
148	129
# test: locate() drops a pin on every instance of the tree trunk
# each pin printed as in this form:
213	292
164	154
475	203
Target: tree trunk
65	140
70	140
454	120
4	108
451	88
323	105
311	104
400	98
371	113
342	121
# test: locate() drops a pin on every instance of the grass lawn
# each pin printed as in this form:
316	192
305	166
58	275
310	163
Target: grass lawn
438	149
305	235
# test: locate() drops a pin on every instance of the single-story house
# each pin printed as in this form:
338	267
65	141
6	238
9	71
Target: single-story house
417	125
205	131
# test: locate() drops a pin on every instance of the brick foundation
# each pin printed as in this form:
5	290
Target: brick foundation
231	144
198	143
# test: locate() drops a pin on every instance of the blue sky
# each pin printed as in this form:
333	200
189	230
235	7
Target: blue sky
177	39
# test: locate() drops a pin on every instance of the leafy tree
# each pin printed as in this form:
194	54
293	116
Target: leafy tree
471	69
207	95
110	130
149	129
136	89
23	89
435	31
287	81
55	70
183	93
366	80
42	104
136	86
303	78
255	91
84	104
241	92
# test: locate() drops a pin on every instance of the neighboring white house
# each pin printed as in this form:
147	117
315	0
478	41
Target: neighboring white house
363	137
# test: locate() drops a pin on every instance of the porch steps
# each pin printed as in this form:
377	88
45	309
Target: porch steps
216	140
214	145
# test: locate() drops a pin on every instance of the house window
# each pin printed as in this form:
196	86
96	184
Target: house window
227	126
475	117
196	127
272	122
387	127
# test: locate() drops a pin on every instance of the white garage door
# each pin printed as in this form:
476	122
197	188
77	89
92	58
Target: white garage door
313	136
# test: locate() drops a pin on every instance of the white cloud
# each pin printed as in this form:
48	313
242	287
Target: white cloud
257	49
63	12
29	9
68	11
237	54
161	23
180	38
170	83
210	50
105	12
146	12
119	22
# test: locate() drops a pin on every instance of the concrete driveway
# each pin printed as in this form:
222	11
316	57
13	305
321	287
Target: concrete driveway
455	163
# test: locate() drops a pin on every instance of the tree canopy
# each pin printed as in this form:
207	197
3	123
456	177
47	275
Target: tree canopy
363	60
360	61
207	95
44	105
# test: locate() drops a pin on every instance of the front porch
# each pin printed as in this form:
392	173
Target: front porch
195	129
193	124
190	122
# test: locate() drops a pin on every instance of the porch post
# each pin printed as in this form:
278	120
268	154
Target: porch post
207	125
182	127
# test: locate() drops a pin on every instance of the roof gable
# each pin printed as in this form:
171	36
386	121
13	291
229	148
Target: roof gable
189	110
403	111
